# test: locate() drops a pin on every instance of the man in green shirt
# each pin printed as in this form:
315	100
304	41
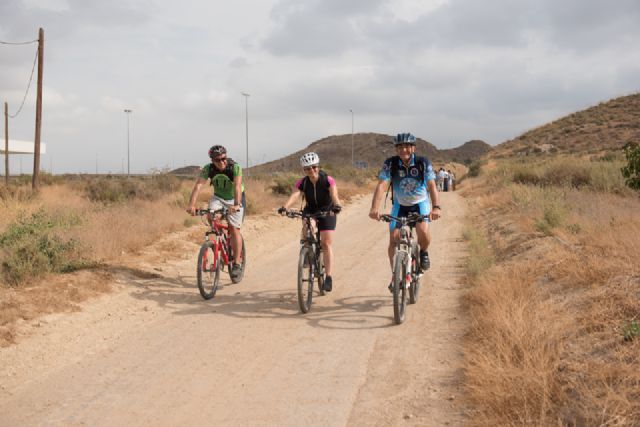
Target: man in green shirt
228	190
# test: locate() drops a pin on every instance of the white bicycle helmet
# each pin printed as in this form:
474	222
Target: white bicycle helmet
309	159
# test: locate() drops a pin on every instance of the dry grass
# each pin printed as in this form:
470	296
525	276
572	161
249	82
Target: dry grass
547	344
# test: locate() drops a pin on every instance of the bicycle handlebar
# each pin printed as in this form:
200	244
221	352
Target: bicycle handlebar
223	211
301	214
411	219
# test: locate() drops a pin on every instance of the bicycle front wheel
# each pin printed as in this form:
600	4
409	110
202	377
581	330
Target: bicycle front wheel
208	271
400	287
306	275
414	288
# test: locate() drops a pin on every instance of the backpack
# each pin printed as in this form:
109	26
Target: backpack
228	170
420	161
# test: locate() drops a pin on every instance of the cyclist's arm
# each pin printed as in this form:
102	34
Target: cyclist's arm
293	198
435	198
194	194
377	198
333	191
237	190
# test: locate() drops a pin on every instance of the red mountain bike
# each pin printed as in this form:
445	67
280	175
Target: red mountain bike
216	253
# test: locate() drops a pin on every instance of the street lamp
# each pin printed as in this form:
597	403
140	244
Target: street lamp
352	164
246	122
128	164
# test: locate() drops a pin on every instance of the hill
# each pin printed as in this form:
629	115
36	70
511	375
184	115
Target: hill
605	127
370	150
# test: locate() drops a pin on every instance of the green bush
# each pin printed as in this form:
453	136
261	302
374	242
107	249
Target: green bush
631	172
32	246
119	189
283	185
474	169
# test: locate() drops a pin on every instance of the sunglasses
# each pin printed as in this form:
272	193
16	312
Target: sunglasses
308	168
220	159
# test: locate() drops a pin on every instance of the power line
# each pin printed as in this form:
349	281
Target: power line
13	116
18	43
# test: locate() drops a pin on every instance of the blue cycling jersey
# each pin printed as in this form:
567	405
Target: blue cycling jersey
408	188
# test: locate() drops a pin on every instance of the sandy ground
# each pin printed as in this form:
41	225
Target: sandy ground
154	353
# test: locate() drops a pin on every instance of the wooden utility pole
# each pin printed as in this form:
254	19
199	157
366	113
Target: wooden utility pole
36	151
6	144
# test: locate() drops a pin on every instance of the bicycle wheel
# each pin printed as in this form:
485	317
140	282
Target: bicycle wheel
414	287
306	273
208	271
400	287
320	273
240	275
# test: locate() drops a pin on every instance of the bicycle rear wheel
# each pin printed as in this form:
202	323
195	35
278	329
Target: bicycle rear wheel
240	275
400	287
414	288
208	271
306	273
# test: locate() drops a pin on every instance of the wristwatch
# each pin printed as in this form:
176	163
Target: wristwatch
437	206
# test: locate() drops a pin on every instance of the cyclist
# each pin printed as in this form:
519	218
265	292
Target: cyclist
413	185
320	193
228	190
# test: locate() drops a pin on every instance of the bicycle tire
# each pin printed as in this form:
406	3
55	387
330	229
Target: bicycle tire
208	275
414	287
238	278
399	287
306	272
321	274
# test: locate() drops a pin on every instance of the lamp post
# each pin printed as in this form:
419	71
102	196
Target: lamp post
246	122
128	112
352	163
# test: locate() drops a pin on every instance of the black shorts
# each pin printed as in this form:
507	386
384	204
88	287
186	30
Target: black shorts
327	223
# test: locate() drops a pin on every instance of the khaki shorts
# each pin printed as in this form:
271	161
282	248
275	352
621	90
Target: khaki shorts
235	219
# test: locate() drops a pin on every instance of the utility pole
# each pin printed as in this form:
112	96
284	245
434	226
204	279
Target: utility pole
352	163
6	144
128	111
36	152
246	122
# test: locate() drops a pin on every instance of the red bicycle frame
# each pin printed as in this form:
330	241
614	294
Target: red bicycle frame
220	242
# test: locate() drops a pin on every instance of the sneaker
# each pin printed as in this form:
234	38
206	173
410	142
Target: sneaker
424	260
235	270
328	284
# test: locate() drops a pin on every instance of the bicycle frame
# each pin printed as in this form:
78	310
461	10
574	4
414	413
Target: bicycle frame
220	231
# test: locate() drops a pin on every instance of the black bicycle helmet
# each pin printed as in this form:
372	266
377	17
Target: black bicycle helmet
404	138
217	150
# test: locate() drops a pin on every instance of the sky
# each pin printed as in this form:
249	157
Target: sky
448	71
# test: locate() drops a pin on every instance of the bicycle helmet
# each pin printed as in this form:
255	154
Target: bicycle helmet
217	150
309	159
404	138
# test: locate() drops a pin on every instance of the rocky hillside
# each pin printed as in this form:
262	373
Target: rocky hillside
370	150
605	127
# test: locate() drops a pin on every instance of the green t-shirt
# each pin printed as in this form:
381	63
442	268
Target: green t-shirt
222	181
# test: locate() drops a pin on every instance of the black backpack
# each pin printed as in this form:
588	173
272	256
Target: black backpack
228	170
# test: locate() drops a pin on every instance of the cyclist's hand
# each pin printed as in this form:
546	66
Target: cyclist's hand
374	214
191	210
435	214
234	208
282	210
336	209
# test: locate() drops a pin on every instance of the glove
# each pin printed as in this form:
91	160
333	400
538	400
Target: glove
336	209
282	210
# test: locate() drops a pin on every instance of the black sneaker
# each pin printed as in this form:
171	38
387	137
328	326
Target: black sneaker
328	284
424	260
235	270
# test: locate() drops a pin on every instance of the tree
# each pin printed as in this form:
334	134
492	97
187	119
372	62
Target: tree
632	170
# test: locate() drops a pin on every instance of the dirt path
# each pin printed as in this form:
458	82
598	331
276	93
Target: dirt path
154	353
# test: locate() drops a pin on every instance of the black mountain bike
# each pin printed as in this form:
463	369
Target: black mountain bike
406	264
310	261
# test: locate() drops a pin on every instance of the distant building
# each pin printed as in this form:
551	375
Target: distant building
22	147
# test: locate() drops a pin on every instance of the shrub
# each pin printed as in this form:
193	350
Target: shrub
474	169
284	184
631	171
31	247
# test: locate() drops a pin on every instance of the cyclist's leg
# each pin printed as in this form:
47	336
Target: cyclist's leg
235	223
422	228
327	226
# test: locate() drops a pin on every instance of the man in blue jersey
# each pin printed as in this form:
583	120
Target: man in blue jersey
414	188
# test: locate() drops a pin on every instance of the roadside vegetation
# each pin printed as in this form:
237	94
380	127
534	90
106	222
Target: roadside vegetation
90	226
555	296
